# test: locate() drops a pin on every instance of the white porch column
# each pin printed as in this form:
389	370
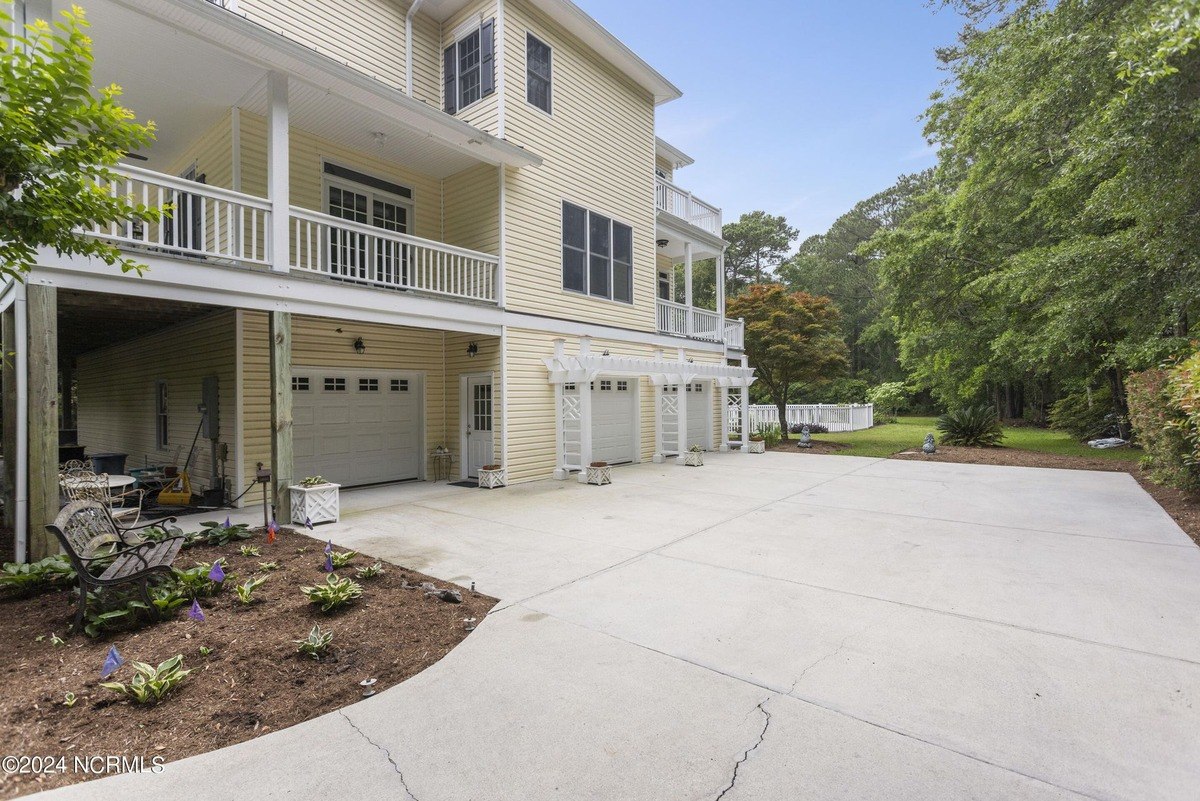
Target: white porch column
560	435
687	286
746	410
585	415
659	388
277	169
723	447
720	281
681	388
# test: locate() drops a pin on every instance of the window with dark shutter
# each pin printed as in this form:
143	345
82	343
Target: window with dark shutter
597	255
537	72
469	68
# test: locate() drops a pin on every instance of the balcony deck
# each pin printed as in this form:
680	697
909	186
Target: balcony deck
679	320
683	204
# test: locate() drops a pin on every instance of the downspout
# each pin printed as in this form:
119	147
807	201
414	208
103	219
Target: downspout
408	47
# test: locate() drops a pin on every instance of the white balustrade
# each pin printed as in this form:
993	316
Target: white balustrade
197	220
686	206
835	417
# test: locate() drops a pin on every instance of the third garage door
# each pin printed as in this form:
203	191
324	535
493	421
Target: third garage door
614	420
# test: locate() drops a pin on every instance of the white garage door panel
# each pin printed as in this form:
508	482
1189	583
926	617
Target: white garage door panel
614	416
699	415
357	435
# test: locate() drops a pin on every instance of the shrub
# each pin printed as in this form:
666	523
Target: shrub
770	434
1183	390
1084	417
316	643
813	428
20	577
1161	428
890	399
218	534
334	593
974	426
150	684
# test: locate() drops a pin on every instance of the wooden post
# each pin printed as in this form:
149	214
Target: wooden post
42	309
281	412
8	380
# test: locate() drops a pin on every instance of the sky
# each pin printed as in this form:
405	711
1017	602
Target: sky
798	108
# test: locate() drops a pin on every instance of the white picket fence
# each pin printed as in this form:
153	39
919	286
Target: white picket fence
835	417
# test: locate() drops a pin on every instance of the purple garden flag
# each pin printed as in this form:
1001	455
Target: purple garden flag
196	613
112	662
217	574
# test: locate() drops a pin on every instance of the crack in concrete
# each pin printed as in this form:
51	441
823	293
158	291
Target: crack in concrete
385	751
833	653
746	754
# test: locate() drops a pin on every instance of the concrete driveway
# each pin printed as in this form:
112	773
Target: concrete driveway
770	627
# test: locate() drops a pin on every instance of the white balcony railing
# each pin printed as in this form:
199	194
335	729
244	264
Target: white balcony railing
356	252
197	220
735	333
835	417
679	320
683	204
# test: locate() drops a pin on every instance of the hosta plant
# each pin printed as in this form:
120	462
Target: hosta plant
149	683
342	558
334	593
370	571
973	426
316	643
245	590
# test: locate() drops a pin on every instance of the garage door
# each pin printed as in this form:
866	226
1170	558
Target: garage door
699	414
356	427
614	418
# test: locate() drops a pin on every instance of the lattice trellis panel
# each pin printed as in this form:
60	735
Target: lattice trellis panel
668	434
733	412
570	428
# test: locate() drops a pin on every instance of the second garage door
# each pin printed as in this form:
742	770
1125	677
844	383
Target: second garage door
356	426
614	420
699	414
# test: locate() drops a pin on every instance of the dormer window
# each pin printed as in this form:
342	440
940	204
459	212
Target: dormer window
470	67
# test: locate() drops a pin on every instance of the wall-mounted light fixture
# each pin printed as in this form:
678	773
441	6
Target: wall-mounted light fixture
605	352
473	349
360	347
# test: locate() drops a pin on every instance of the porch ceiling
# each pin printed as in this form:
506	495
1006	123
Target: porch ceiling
91	320
184	64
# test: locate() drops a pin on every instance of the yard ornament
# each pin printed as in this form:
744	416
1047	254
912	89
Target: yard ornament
329	547
196	613
805	438
217	574
308	523
112	662
272	528
227	523
929	447
328	562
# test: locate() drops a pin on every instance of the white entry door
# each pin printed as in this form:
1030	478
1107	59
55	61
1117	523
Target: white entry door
614	420
477	424
699	414
356	426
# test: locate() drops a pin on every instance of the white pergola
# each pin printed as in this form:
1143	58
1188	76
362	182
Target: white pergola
574	411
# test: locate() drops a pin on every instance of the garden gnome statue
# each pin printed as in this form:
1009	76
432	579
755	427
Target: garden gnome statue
929	447
805	438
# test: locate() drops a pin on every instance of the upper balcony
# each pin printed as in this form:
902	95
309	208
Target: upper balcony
683	204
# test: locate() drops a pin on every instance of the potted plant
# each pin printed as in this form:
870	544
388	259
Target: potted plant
599	473
491	476
756	444
694	457
315	500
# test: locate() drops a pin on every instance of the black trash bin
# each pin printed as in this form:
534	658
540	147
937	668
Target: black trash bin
111	463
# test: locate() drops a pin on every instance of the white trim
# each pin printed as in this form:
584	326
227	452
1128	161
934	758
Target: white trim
674	155
21	491
278	166
498	49
235	148
502	239
239	405
408	46
347	184
503	398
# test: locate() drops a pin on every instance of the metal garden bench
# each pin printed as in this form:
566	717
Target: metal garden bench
93	541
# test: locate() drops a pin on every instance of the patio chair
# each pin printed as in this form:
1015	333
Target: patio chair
84	485
105	554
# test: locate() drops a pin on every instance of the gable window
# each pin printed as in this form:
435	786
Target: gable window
161	422
597	254
537	72
469	67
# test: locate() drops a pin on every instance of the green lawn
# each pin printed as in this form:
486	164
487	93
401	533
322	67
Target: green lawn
909	432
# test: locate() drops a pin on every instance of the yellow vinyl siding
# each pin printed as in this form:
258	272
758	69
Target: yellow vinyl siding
117	395
472	209
427	60
367	35
598	147
439	356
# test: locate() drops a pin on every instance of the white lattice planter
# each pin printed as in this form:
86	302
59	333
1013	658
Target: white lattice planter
757	446
693	459
491	477
599	475
317	504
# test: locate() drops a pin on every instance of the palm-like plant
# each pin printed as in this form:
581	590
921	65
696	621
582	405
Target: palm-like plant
973	426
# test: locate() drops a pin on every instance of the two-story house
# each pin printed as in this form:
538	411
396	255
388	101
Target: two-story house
392	228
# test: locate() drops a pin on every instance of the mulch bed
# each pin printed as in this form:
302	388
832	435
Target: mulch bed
1183	507
817	447
253	682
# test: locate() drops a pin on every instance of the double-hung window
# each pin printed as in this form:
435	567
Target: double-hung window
537	72
469	67
597	255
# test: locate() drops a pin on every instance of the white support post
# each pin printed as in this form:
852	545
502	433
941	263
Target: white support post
560	466
745	410
659	436
720	282
585	415
687	286
277	170
724	447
